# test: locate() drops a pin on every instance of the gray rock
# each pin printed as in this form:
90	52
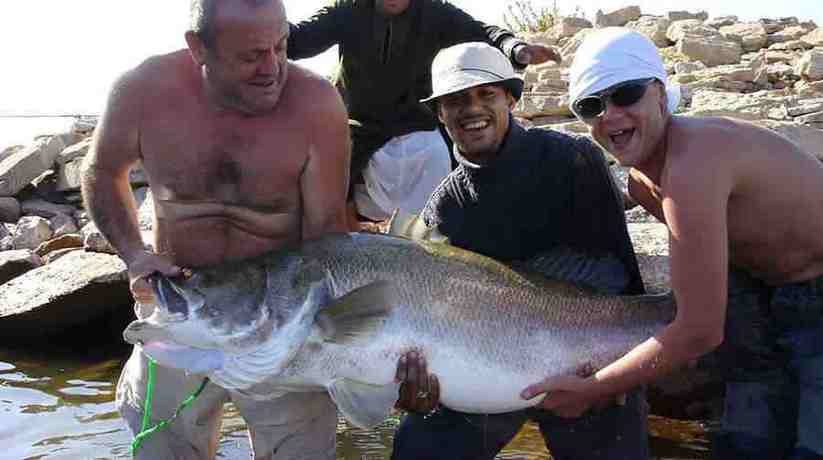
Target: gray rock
46	209
8	151
711	51
721	21
810	65
94	241
10	210
69	292
651	244
683	15
654	28
751	35
689	27
807	138
776	25
31	231
814	38
569	26
617	18
63	224
15	263
20	168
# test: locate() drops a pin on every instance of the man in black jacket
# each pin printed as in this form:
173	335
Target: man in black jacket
386	49
517	195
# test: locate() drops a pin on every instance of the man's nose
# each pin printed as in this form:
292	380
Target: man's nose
268	65
611	111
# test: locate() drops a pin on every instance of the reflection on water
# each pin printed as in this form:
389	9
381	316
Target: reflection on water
55	406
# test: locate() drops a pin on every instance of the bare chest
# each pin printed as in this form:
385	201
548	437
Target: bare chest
248	163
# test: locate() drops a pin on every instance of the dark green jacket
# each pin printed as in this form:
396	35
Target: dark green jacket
385	63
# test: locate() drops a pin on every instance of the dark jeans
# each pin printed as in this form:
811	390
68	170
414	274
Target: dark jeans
773	356
614	433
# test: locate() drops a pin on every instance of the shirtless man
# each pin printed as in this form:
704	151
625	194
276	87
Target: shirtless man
244	152
744	208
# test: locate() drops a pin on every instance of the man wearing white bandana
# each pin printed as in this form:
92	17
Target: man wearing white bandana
744	208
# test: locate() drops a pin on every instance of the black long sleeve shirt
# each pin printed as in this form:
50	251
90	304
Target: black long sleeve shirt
544	190
386	61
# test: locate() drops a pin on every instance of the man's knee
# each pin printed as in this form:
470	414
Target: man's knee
296	426
449	435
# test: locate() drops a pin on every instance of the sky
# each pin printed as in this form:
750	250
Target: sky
60	57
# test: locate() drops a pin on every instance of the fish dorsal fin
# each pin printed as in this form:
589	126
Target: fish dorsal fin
363	404
357	314
591	272
413	227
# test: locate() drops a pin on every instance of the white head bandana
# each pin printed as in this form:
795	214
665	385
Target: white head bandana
613	55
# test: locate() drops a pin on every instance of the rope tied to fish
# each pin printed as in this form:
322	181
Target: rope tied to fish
146	431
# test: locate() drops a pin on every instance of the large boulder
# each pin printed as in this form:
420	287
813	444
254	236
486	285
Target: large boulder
711	51
814	38
569	26
651	244
15	263
751	35
685	15
617	18
755	106
72	291
654	28
533	105
31	231
807	138
10	210
20	168
689	27
810	65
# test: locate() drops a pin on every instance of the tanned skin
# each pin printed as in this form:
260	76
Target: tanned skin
244	152
730	193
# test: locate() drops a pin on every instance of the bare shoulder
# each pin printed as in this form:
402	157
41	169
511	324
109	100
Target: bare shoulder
702	154
160	71
313	94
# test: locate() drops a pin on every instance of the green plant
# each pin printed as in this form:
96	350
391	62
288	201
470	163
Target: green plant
523	16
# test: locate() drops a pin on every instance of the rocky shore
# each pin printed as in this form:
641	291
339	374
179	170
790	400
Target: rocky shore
57	272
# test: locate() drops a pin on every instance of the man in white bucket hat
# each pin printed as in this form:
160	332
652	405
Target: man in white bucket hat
515	195
745	215
385	53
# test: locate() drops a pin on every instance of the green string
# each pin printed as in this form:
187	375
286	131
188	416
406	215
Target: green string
145	430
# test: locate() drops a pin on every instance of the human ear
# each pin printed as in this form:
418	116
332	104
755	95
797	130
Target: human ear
197	48
512	102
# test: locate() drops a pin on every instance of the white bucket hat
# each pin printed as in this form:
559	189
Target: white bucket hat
471	64
614	55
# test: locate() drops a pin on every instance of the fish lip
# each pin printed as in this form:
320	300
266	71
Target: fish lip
168	294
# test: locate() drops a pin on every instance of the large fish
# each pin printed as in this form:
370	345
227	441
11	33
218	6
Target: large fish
336	313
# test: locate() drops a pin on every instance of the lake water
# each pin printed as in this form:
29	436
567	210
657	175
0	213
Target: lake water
60	405
21	131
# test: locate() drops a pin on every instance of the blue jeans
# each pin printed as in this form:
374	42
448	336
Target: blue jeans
614	433
773	354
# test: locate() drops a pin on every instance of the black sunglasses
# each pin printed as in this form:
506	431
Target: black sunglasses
622	95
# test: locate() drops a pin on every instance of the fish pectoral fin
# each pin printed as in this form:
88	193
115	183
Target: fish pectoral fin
363	404
358	314
189	359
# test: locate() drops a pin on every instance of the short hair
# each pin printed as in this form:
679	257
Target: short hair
202	14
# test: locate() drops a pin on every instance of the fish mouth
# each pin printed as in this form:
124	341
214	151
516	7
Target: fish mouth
169	296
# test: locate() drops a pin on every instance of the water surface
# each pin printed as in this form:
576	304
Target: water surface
60	405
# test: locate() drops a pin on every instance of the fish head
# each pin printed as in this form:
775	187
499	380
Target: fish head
203	316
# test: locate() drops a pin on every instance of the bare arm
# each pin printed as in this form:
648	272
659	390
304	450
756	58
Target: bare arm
106	190
640	193
694	205
325	179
